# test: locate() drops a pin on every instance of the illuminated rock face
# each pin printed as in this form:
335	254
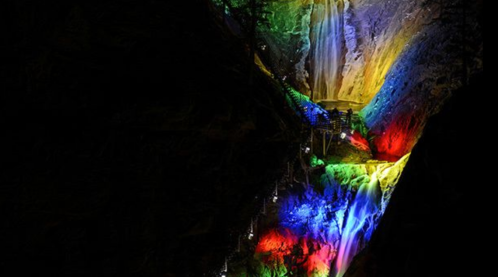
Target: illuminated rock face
419	81
288	38
340	49
365	38
323	228
397	57
376	32
393	56
345	49
352	50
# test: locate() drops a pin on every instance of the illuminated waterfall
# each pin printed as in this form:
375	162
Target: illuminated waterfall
360	224
326	43
319	230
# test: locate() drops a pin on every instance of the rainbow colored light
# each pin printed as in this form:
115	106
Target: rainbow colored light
320	229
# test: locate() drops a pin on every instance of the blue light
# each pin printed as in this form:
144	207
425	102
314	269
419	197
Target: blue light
315	214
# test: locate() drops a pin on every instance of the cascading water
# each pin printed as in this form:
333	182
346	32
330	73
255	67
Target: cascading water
360	224
322	228
322	225
326	43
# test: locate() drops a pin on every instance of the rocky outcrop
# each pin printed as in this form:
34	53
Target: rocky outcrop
423	232
400	58
376	32
437	61
377	35
373	33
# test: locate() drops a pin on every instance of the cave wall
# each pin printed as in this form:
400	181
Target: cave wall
400	58
288	39
438	60
375	33
423	231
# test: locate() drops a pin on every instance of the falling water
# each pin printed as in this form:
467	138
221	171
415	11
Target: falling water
326	39
360	224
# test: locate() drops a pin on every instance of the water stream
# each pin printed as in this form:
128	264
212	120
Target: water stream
360	224
326	45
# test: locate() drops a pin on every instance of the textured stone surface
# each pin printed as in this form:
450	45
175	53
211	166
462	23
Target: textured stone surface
402	58
374	34
433	64
288	38
423	232
378	32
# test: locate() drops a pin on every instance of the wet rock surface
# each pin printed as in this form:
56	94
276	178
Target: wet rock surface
420	232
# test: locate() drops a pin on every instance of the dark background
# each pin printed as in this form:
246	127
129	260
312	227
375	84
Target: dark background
134	146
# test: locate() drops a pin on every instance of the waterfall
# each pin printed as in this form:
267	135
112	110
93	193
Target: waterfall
326	55
360	224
